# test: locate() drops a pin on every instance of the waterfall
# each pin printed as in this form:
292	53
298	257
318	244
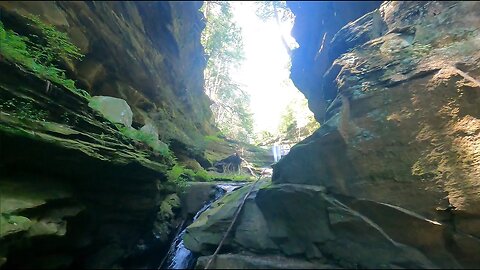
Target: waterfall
179	257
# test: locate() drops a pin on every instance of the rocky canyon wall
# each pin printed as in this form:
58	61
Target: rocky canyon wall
147	53
74	190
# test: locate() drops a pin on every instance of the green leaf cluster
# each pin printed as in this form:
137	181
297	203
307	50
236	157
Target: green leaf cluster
55	45
41	54
289	129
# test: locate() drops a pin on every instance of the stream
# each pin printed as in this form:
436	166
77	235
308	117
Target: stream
178	256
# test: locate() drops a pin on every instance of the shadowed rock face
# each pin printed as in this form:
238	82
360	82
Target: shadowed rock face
391	179
316	23
147	53
75	191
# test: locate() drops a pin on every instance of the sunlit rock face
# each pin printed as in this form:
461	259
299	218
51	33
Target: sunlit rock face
397	92
148	53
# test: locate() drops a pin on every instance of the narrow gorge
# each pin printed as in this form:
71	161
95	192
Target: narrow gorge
109	150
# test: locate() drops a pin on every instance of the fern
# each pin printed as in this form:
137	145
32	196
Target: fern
39	58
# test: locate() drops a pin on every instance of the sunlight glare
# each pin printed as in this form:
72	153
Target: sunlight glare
265	72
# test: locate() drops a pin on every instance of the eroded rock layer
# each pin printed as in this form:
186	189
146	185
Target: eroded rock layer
147	53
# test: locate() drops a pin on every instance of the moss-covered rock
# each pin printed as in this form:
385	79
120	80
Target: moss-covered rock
10	224
148	54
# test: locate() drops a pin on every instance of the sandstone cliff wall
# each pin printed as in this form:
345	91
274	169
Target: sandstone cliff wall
74	190
148	53
399	95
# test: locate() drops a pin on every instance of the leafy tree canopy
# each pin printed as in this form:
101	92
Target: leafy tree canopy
223	45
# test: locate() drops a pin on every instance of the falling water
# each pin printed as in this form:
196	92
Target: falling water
179	257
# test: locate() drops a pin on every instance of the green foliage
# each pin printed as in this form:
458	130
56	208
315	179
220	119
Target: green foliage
290	130
57	44
41	56
296	123
175	173
138	135
278	10
288	123
202	176
179	174
212	138
265	138
223	45
177	177
148	139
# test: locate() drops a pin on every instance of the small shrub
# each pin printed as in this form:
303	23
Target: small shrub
175	173
188	174
180	174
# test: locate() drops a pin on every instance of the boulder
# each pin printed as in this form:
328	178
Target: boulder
328	228
194	197
114	109
208	229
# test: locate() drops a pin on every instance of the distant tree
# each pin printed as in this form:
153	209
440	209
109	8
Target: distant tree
288	125
312	125
290	130
223	45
